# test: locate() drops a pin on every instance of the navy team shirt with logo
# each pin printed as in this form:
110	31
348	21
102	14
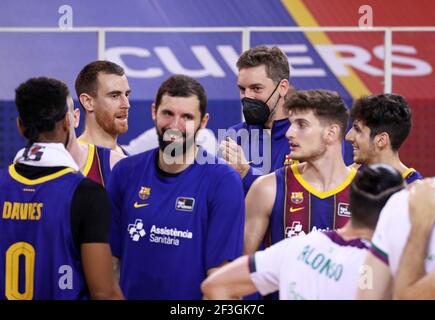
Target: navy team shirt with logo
169	230
39	259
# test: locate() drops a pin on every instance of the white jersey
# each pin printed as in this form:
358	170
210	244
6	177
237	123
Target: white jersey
319	265
392	231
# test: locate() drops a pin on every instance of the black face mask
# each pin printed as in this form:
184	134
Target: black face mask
256	111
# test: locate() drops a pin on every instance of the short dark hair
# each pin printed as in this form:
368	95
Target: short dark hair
388	113
86	81
41	103
183	86
371	188
327	105
276	62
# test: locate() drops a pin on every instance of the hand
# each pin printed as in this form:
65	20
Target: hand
422	203
233	154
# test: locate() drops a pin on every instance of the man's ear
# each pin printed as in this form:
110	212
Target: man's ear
332	132
87	102
20	127
76	114
382	140
283	88
204	121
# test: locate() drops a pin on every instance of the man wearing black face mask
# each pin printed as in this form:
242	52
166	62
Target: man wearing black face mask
259	146
256	111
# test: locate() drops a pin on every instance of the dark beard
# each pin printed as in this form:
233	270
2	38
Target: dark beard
174	149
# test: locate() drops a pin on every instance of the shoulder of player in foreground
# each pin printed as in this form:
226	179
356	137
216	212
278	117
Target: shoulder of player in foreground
396	205
401	195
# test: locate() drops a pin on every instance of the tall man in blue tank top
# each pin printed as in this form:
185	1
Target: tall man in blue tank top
258	146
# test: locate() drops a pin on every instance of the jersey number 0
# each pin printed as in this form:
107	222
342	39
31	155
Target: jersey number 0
12	271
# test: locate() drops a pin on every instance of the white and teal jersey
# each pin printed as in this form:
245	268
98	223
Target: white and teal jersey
392	233
319	265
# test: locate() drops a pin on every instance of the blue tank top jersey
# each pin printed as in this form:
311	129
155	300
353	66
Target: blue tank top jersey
39	259
299	208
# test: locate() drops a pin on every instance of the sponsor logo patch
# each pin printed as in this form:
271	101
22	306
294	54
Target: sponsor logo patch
343	210
184	204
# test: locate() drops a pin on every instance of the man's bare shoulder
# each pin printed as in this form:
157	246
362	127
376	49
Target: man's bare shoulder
265	185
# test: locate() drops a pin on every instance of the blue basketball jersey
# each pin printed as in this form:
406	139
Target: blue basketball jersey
411	175
169	230
299	208
38	257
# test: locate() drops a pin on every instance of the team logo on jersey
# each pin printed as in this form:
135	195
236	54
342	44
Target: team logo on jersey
144	193
297	197
184	204
136	230
35	153
343	210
